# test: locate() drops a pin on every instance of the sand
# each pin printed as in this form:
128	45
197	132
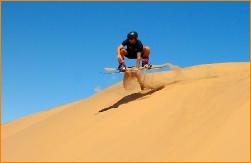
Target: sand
198	113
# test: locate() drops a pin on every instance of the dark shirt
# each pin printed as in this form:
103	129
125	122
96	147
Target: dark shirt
137	47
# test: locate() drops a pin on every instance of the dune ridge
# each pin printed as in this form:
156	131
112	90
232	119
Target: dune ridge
199	113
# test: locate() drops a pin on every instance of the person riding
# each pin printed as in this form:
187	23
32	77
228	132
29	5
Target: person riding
134	50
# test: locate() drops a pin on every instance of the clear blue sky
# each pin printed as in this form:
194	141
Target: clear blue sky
53	52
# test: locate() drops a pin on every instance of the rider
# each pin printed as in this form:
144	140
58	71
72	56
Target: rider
135	50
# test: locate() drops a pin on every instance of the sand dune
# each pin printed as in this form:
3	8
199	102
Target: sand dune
198	113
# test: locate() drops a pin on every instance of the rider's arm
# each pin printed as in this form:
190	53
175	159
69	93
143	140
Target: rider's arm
118	51
138	59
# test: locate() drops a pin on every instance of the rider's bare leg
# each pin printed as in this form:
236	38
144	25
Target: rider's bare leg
145	56
121	57
146	52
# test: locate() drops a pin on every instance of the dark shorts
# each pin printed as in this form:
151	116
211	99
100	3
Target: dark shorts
132	55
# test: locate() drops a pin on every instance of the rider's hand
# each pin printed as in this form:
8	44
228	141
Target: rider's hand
136	70
119	57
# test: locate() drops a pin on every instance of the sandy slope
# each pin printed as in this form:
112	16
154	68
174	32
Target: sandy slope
202	113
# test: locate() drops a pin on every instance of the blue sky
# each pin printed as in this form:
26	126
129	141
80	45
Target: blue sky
53	52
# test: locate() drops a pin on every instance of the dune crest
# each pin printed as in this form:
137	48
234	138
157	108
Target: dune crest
199	113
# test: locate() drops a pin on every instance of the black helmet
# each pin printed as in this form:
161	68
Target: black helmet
132	34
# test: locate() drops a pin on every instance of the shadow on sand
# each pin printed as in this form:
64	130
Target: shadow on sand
130	98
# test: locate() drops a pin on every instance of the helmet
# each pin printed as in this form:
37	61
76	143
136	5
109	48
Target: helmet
132	34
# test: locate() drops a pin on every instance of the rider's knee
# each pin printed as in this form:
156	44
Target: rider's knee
146	49
123	51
